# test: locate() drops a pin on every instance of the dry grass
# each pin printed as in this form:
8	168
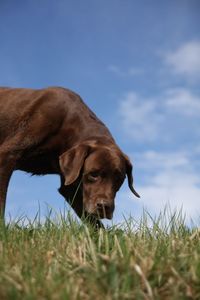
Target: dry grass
65	260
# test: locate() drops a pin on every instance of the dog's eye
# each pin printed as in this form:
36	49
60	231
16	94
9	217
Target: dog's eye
93	176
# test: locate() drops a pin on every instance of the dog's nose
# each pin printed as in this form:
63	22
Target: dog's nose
105	210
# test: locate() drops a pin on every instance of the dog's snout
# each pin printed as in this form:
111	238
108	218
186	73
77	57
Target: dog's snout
104	206
105	210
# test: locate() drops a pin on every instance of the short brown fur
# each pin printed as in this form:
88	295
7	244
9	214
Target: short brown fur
52	131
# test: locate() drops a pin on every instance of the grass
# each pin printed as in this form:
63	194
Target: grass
62	259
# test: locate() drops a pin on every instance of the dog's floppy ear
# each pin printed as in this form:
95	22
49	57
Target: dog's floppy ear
129	168
72	161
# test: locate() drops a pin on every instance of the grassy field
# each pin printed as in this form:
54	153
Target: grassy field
63	259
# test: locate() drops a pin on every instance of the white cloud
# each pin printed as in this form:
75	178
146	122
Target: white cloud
161	118
176	188
139	117
124	73
172	180
161	160
186	59
183	102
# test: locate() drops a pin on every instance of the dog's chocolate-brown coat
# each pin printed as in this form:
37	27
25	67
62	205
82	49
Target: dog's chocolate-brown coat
52	131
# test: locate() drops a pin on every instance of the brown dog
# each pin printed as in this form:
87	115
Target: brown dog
52	131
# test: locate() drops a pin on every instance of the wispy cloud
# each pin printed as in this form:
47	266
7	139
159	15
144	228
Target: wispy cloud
154	160
185	60
147	119
171	119
124	73
172	180
182	101
139	117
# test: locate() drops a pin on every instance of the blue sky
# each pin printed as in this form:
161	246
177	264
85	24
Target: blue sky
137	65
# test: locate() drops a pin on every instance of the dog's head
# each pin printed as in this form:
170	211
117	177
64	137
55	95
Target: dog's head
103	169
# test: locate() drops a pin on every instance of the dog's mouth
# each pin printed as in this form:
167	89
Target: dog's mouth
102	215
102	212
